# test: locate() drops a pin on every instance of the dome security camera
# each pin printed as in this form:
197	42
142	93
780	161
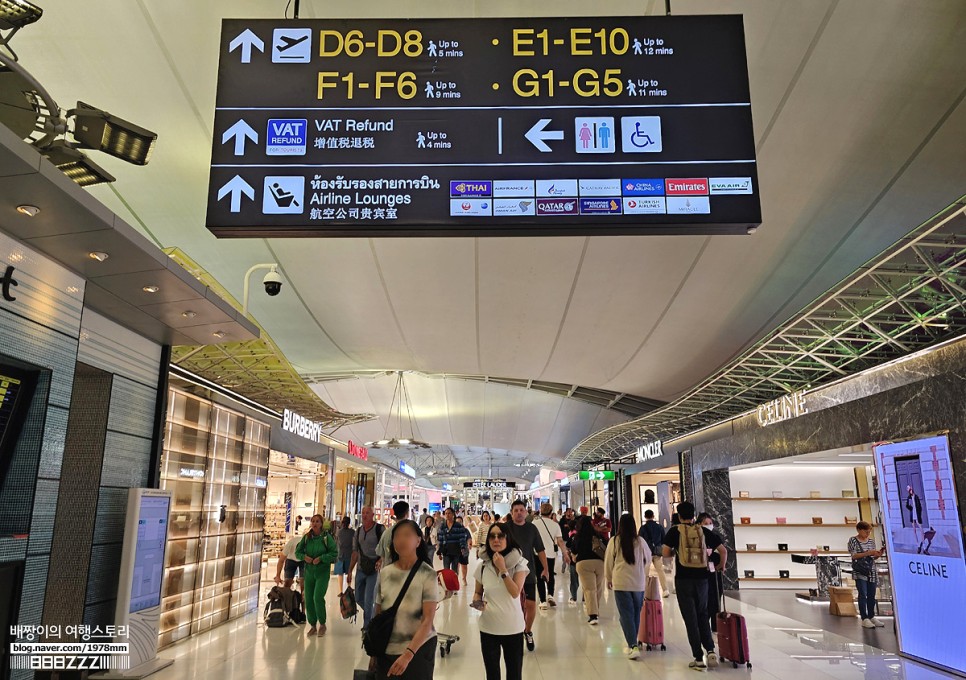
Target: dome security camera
272	283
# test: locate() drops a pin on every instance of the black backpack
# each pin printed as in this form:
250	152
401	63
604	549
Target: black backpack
275	615
297	612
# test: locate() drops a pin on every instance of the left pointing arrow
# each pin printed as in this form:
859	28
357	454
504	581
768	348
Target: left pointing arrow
236	186
246	40
240	131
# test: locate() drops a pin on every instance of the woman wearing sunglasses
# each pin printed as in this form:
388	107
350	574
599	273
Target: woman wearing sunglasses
499	581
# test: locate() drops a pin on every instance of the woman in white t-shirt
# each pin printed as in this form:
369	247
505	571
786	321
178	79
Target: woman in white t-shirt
553	540
499	581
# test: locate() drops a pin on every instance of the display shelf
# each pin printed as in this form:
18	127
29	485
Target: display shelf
778	500
830	553
824	524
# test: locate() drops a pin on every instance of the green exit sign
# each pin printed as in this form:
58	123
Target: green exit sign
605	475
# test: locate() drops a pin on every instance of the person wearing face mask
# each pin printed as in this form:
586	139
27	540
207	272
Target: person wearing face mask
500	575
319	551
714	576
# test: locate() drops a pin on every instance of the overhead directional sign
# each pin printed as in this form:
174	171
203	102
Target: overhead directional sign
626	125
590	475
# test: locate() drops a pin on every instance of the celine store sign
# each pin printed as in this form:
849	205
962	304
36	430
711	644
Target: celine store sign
784	408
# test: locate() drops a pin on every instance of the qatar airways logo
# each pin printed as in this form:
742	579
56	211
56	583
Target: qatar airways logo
550	206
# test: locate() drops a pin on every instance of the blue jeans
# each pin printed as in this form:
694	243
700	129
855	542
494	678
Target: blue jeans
629	605
574	580
366	594
866	598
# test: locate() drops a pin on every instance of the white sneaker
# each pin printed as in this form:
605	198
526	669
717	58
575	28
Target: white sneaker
543	605
551	601
877	623
667	593
712	660
635	653
627	651
867	623
573	602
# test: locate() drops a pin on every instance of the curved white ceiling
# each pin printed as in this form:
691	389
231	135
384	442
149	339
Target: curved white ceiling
861	131
468	416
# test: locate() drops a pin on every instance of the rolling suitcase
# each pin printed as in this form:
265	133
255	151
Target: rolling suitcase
651	630
732	637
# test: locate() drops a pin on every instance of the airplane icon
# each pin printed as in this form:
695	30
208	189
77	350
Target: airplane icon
292	45
290	42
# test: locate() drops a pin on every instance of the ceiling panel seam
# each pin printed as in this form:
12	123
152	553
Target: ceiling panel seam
385	290
137	218
476	274
667	308
848	232
570	298
449	415
305	306
551	430
798	74
159	40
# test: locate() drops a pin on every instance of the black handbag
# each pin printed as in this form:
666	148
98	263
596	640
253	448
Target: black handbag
864	566
377	636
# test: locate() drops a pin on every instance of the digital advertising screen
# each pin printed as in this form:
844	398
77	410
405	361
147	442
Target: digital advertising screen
924	541
527	126
149	552
16	391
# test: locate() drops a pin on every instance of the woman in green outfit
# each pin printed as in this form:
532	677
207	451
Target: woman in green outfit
319	551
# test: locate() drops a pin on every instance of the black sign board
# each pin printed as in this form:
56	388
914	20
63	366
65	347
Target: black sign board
619	125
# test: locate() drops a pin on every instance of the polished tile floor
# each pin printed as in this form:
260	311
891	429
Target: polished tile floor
567	648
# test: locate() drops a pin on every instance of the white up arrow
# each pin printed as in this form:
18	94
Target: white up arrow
246	40
537	135
240	131
236	186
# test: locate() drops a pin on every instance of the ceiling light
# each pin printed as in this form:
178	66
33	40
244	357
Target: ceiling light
752	230
18	13
15	257
96	129
150	289
188	314
73	289
403	441
28	210
219	334
76	165
98	255
430	473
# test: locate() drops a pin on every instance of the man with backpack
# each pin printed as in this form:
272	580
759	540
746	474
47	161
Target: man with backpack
365	555
653	535
690	544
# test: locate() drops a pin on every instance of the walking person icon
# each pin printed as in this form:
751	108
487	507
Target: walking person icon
431	50
631	88
637	46
604	134
585	136
420	140
430	91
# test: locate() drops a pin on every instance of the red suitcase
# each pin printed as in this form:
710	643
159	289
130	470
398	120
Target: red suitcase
651	630
732	637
